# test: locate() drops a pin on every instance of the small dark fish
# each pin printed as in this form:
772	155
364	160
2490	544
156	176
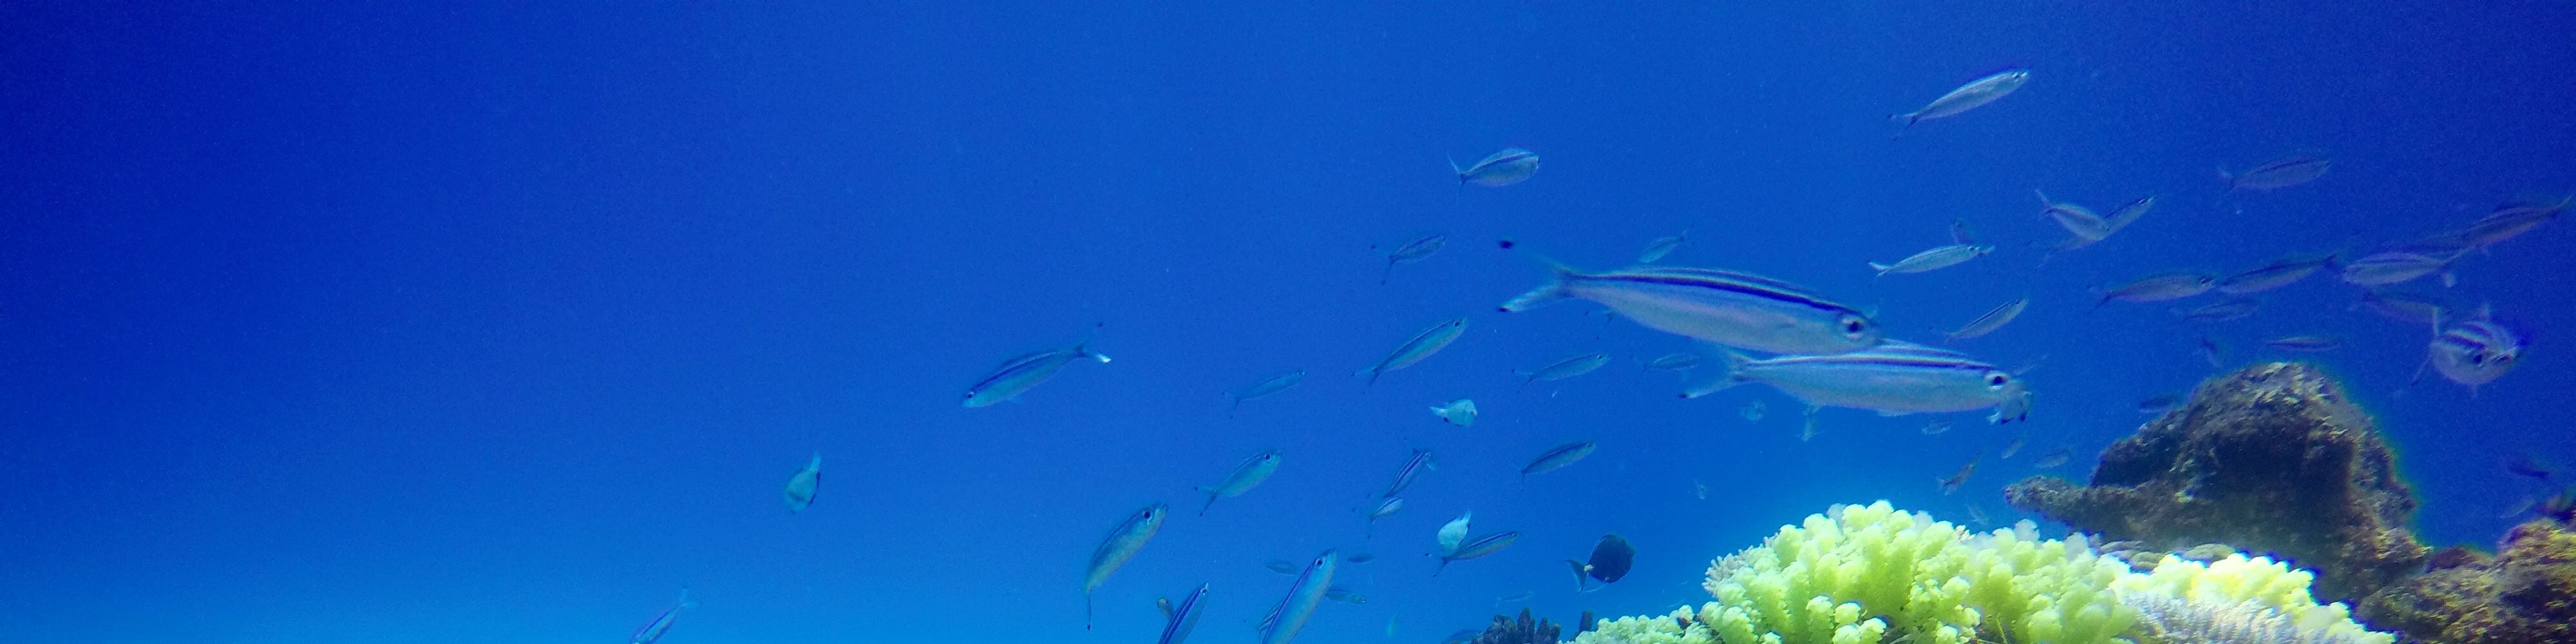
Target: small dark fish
2510	220
2219	312
1359	557
1413	467
1019	374
1993	319
1344	595
1420	346
1282	567
1960	478
1179	619
2054	458
1611	559
1412	251
1510	166
654	630
1265	388
2013	447
2305	343
2173	286
2278	174
2523	465
1519	596
2209	352
1661	247
1558	456
1479	547
2159	403
1121	545
2279	273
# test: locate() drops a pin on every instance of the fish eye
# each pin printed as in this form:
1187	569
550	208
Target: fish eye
1997	379
2478	358
1854	326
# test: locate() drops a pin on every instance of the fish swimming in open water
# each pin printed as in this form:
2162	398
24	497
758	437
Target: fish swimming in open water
1673	362
2382	269
1567	367
1178	619
1732	309
1460	412
2304	343
2223	311
1114	551
1937	258
2054	458
1019	374
661	625
1993	319
1611	559
2278	273
1384	509
1510	166
1558	456
1414	466
2508	221
1967	97
1247	474
801	486
1454	533
1662	246
1290	615
1892	379
2474	352
2078	221
2158	288
1478	547
1265	388
1960	478
1420	346
2278	174
1417	250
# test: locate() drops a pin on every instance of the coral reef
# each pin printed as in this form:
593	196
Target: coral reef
1872	574
2274	459
1506	630
2526	594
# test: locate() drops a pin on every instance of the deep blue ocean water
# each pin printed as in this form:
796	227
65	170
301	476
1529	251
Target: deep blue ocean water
505	322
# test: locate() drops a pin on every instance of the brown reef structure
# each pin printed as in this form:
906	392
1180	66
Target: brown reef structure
2275	459
2526	595
1506	630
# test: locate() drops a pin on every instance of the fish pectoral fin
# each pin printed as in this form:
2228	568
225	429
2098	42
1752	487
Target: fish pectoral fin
1164	604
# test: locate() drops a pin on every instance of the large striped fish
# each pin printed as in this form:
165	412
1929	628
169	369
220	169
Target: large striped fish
1120	546
2474	352
1892	379
1291	613
1729	308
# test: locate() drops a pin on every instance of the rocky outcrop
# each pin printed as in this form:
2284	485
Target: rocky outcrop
1506	630
2525	595
2273	459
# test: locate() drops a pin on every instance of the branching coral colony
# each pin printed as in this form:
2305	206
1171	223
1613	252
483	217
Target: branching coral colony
1866	574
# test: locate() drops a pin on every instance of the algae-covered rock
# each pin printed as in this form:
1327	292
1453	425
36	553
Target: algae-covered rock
2526	594
2270	459
1506	630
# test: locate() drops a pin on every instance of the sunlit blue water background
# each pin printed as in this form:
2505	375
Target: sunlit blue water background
504	323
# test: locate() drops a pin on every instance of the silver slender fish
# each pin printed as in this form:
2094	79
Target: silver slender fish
1967	97
1120	546
1733	309
1290	615
1412	251
2112	223
2279	273
1265	388
1383	510
2510	220
2304	343
1662	246
2474	352
2402	306
1567	367
2079	221
1178	619
1673	362
654	630
2395	267
800	487
2219	311
1987	323
1558	456
1413	467
1251	472
1478	547
1510	166
1420	346
1892	379
1021	373
1937	258
2158	288
2278	174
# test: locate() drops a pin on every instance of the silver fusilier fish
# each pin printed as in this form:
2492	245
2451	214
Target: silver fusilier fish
1247	474
1673	362
1732	309
1967	97
1994	319
1894	378
1478	547
2382	269
1384	509
1510	166
1662	246
1021	373
1460	412
2159	288
2510	220
1344	595
1178	619
1120	546
1937	258
1422	345
1956	480
1567	367
2219	311
653	631
2112	223
1558	456
800	487
2278	174
1265	388
2304	343
1411	251
1413	467
2054	458
2013	447
2279	273
2474	352
2079	221
1290	615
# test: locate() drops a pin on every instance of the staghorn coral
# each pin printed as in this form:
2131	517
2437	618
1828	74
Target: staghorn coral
2526	594
2273	458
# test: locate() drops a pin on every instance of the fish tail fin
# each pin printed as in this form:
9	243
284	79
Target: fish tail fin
1904	122
1084	350
1444	565
1453	167
1732	375
685	601
1559	275
1881	268
815	463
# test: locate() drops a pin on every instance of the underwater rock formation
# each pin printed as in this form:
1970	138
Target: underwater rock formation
2526	595
2270	459
1506	630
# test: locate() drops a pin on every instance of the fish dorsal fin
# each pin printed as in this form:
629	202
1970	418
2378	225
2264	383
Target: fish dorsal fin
1164	604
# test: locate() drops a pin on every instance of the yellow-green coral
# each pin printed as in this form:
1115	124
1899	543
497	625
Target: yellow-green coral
1867	574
